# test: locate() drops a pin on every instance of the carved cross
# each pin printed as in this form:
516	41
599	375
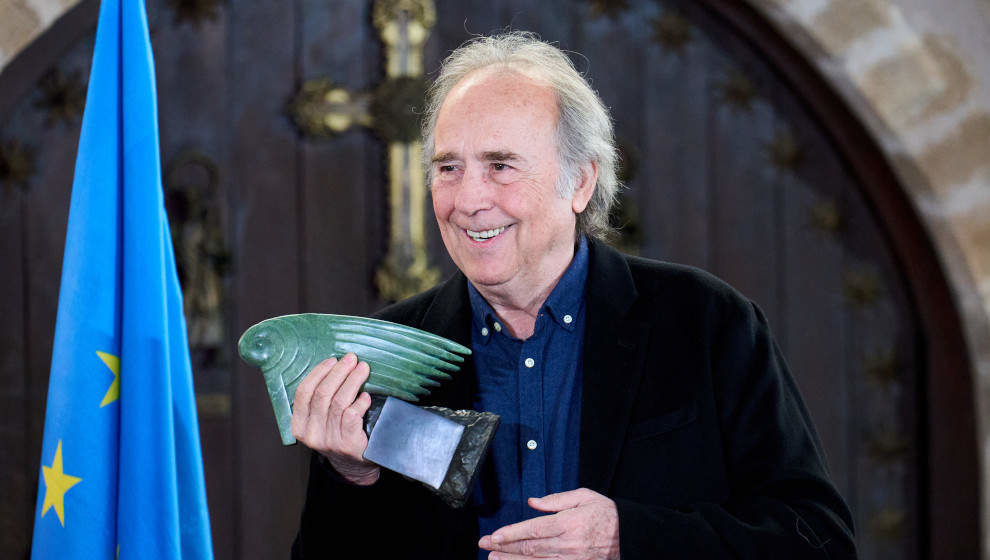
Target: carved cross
322	110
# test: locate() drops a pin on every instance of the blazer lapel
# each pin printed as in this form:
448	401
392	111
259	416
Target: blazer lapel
449	315
614	353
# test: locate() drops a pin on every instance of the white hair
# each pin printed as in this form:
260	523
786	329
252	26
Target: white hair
584	127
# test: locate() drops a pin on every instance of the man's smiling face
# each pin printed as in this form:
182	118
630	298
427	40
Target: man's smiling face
495	170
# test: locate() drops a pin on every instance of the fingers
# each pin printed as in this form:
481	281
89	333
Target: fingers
586	526
323	398
562	500
537	528
322	402
328	416
304	394
537	548
501	555
352	423
345	393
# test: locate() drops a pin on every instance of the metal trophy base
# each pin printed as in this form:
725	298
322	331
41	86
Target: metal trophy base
440	447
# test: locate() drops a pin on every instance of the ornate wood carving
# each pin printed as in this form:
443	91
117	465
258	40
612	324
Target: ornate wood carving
609	8
784	151
321	110
16	164
195	11
202	258
672	31
62	96
737	91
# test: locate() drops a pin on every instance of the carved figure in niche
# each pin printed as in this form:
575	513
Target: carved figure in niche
202	259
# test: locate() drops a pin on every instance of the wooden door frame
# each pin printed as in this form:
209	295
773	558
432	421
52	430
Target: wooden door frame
951	474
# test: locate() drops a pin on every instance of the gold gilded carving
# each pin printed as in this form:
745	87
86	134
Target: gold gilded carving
862	288
610	8
672	31
63	97
195	11
191	184
888	447
404	26
737	91
882	369
784	151
827	218
888	523
16	164
322	109
406	269
211	406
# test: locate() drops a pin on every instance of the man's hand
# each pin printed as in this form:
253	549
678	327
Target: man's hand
328	413
585	526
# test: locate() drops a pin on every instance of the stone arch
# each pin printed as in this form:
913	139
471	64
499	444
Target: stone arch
23	21
916	76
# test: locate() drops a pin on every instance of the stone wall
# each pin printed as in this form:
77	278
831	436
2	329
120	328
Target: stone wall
21	21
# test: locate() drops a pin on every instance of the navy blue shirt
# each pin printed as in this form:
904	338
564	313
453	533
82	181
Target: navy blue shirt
535	386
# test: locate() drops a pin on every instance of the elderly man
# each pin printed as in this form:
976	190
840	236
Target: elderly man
646	410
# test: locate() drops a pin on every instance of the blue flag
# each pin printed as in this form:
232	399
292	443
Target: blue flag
121	470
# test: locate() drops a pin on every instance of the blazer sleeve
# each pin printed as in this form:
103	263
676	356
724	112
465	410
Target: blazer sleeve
392	518
339	517
781	502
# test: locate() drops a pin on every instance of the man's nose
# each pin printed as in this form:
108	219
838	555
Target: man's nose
475	193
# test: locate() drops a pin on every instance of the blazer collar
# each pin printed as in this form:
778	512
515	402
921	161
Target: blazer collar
615	344
614	353
449	315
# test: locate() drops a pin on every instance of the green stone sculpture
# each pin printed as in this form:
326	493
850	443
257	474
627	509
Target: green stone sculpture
404	362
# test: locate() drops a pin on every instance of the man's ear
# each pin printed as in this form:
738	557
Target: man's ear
585	188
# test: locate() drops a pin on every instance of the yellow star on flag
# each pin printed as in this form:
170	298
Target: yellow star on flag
57	483
112	362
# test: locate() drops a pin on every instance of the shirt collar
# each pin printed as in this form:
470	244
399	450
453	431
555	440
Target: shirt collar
482	314
567	296
563	304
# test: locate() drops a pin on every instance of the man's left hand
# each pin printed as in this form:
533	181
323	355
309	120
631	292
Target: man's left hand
585	526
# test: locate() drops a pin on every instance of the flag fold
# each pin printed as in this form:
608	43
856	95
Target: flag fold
121	473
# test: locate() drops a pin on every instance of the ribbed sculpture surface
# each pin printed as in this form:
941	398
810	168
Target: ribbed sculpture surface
405	362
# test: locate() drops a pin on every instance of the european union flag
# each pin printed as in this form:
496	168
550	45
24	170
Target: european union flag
121	471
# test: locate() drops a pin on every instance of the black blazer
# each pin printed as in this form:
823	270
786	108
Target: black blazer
690	422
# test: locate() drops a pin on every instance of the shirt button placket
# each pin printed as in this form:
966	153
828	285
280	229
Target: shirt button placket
531	415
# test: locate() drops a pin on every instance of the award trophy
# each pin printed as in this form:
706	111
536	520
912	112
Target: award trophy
440	447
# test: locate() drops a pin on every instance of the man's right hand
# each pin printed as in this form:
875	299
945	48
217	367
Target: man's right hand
328	416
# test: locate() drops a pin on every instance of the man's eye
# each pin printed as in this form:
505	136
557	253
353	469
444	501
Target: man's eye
447	168
499	166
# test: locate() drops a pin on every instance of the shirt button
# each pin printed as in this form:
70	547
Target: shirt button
531	444
530	362
498	327
568	319
484	331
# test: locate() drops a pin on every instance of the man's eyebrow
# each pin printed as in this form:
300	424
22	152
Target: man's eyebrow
443	157
500	155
